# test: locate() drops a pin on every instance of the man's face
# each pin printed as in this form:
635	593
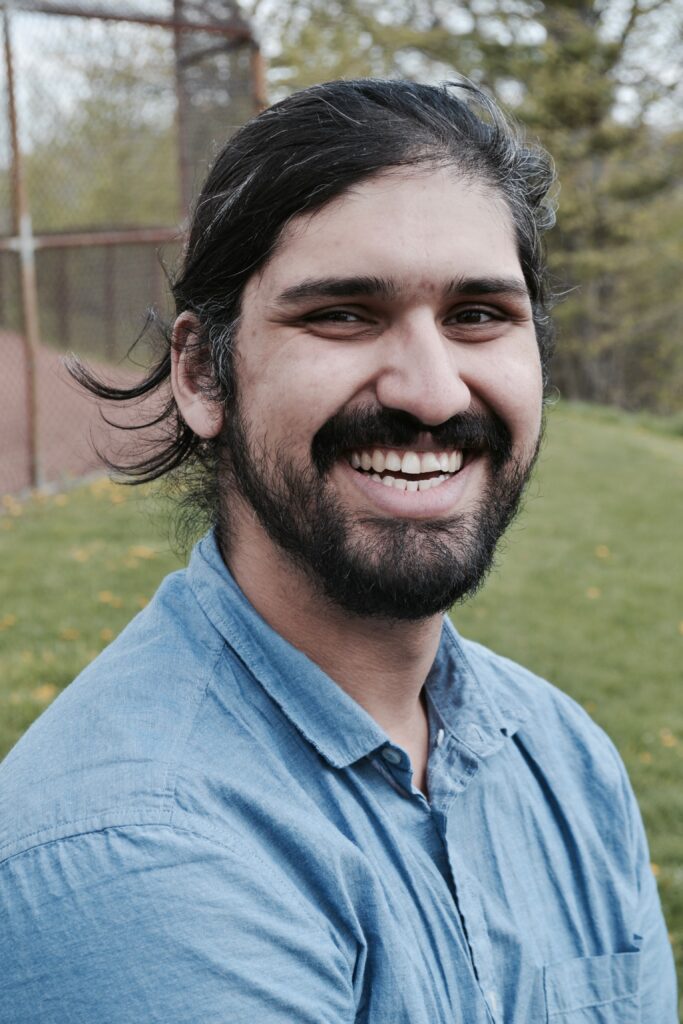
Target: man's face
389	394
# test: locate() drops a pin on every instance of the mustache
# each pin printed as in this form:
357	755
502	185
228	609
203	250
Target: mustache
367	428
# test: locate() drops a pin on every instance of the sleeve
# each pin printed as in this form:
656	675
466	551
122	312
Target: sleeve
155	924
658	996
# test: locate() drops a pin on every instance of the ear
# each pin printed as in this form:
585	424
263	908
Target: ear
203	415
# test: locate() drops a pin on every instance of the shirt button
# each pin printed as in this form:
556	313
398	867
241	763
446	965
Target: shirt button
391	756
439	737
492	1000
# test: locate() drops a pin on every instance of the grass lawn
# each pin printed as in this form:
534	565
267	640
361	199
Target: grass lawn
588	593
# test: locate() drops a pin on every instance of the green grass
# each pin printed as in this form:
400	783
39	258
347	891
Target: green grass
588	593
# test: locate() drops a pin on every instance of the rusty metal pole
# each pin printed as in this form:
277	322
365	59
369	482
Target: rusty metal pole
259	89
181	114
24	245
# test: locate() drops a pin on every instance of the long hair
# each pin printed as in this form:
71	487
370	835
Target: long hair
291	159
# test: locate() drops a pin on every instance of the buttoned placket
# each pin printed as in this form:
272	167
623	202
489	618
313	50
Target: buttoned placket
455	766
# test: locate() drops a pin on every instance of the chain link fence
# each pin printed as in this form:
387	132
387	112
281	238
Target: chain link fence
110	113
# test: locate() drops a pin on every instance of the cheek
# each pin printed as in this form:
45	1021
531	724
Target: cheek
515	391
294	389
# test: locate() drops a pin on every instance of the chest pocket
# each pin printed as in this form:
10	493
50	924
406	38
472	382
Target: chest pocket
593	990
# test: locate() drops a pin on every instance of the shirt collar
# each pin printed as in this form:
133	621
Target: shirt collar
338	727
335	724
464	701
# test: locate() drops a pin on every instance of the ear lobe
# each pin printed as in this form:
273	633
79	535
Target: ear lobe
203	415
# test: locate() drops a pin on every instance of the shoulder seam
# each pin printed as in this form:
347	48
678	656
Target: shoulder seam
210	674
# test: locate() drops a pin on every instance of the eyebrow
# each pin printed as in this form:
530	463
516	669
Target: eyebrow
384	288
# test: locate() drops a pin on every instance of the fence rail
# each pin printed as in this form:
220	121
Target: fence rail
107	111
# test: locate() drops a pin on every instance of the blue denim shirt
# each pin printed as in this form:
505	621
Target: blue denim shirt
205	828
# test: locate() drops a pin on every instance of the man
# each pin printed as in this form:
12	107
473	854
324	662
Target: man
289	792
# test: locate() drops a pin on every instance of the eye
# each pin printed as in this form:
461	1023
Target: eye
475	315
335	316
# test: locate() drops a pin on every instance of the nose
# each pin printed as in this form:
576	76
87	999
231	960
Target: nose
422	373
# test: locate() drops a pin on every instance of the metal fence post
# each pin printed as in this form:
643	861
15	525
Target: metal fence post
24	244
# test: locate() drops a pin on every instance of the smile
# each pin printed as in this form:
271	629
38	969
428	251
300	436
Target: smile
407	470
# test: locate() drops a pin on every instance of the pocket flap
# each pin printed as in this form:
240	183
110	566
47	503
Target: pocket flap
593	980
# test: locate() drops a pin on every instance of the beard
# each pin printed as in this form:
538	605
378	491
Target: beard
390	568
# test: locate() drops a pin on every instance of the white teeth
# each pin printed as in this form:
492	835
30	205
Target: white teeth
378	460
411	485
410	463
388	481
400	484
424	485
429	463
377	477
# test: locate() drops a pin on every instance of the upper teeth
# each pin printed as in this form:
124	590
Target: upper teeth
410	463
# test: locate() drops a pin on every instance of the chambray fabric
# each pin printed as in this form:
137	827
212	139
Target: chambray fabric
205	828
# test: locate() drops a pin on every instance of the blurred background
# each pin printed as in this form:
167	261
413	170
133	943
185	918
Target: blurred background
110	114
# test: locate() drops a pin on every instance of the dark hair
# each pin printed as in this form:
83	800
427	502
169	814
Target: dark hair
293	158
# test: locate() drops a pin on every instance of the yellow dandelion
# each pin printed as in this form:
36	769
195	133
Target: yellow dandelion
7	621
142	551
48	657
79	554
61	500
69	633
667	738
680	627
100	487
593	593
16	697
27	657
130	563
8	500
142	602
655	869
590	706
44	693
6	524
645	757
602	551
117	498
107	635
105	597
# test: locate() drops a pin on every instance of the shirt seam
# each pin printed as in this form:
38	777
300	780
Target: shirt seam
173	772
83	832
593	1006
231	847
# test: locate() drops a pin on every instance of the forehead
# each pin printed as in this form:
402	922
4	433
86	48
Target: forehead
418	229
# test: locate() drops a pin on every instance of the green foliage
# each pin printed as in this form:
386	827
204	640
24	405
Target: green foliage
587	594
108	158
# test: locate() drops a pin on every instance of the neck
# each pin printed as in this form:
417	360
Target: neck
382	664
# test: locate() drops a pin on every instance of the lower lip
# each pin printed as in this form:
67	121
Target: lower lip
437	502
